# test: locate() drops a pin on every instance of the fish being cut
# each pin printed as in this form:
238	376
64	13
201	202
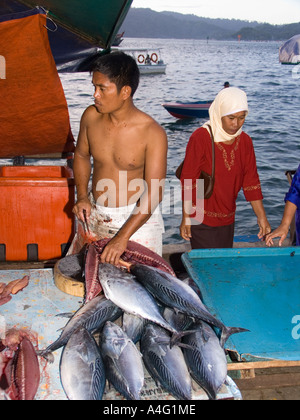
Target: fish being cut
135	253
122	361
19	366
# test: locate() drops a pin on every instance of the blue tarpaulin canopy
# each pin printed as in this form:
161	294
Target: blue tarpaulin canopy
289	53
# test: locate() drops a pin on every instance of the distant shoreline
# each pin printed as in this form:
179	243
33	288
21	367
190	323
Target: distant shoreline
146	23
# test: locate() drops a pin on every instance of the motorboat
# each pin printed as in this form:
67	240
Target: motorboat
184	110
149	60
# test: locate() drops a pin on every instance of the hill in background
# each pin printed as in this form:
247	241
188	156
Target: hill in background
146	23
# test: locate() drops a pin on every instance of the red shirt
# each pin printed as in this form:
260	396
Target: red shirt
235	169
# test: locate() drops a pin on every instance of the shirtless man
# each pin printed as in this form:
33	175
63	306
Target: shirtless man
126	145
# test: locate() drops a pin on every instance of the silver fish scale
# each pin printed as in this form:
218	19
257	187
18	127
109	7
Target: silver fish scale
127	293
109	313
161	373
207	360
174	293
81	367
91	316
165	365
120	355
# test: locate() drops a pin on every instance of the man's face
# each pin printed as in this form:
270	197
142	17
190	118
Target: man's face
107	97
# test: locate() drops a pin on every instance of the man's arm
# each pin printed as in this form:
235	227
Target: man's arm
155	174
82	171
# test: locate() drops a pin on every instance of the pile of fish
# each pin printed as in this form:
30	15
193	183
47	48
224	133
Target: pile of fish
165	327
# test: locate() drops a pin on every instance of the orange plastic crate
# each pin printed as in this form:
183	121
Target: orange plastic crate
36	219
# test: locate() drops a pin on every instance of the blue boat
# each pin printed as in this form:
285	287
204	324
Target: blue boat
257	289
185	110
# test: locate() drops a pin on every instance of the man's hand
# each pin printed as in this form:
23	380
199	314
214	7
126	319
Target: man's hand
113	250
80	206
281	232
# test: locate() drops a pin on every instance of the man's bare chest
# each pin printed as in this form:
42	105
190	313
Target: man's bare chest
120	149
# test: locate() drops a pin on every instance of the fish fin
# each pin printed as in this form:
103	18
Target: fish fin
65	315
229	331
47	355
185	346
176	337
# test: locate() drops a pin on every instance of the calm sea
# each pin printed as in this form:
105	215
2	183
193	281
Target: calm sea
197	70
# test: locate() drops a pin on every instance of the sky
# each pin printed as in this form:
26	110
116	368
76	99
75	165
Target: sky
271	11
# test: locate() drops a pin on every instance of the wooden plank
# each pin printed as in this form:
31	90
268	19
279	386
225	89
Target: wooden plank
27	265
262	365
270	381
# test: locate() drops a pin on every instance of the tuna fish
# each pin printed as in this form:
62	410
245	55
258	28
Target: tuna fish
123	362
206	359
174	293
81	368
91	316
166	365
122	289
133	326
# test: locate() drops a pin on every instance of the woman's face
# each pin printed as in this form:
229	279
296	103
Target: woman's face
233	123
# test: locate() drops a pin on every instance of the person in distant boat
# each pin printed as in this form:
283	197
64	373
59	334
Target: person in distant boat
148	60
292	209
209	223
226	85
129	152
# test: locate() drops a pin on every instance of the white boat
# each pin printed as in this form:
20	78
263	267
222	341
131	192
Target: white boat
149	60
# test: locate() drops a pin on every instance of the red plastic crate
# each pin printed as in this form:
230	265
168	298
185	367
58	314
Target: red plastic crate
36	219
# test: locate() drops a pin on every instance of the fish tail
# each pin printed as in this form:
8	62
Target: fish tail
228	332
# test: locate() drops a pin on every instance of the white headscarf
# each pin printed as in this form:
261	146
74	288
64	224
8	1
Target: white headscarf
229	101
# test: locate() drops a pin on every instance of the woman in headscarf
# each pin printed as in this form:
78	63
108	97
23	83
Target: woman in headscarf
209	223
292	209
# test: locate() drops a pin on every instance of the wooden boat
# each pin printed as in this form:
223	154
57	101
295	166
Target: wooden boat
184	110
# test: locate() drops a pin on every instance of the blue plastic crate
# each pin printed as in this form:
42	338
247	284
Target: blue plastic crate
253	288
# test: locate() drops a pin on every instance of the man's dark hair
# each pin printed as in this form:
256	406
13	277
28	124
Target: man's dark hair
120	68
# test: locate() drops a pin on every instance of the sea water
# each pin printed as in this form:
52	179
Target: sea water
197	70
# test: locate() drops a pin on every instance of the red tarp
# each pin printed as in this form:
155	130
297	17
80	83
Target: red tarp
34	117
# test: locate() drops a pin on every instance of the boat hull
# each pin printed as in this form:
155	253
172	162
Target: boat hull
152	69
198	109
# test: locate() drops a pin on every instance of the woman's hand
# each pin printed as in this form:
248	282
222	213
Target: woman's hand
264	228
185	228
263	223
